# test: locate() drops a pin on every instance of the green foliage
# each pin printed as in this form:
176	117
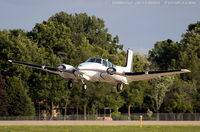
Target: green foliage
72	39
3	98
134	93
186	54
160	87
19	102
140	62
165	54
180	97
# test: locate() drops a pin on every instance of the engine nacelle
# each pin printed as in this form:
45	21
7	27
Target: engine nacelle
111	70
65	67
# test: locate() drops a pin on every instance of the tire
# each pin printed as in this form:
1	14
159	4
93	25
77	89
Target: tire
84	87
70	84
119	87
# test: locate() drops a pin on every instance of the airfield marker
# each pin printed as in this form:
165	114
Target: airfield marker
140	121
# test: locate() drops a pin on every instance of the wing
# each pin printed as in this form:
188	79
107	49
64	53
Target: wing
41	67
137	76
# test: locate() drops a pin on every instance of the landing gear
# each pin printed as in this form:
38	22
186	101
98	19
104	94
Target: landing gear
84	86
70	84
119	87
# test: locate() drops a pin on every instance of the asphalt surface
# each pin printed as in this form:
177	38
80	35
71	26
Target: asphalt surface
5	123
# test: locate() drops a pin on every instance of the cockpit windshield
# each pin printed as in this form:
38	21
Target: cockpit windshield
105	63
97	60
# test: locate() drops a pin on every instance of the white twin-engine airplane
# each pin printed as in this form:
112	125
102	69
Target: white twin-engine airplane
101	70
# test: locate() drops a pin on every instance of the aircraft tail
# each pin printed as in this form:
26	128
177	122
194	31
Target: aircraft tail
129	61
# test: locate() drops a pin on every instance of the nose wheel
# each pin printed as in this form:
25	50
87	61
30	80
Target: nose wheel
119	87
70	84
84	86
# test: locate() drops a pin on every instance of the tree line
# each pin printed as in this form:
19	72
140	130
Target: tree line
72	39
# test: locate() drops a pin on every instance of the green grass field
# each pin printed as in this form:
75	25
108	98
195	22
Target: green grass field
99	129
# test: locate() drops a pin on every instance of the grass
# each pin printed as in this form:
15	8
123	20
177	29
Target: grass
99	129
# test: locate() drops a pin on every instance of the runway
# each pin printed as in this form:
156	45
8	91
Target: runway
107	123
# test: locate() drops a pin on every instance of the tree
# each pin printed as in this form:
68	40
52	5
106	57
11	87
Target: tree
165	54
134	95
73	38
90	27
135	92
3	98
185	54
180	97
19	102
190	58
76	98
160	87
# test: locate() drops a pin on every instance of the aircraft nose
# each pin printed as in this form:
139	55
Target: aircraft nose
80	68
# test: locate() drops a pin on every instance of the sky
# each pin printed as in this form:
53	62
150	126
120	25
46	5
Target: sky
138	23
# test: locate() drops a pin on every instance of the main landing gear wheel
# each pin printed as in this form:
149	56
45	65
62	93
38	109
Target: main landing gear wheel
84	87
70	84
119	87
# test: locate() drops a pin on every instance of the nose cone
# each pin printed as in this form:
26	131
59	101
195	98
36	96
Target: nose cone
84	67
81	68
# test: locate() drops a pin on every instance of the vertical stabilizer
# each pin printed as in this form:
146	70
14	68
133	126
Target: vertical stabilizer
129	61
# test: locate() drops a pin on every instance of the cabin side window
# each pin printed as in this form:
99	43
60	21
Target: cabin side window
98	60
109	64
105	63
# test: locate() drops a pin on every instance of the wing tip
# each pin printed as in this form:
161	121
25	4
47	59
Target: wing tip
10	61
43	67
185	70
